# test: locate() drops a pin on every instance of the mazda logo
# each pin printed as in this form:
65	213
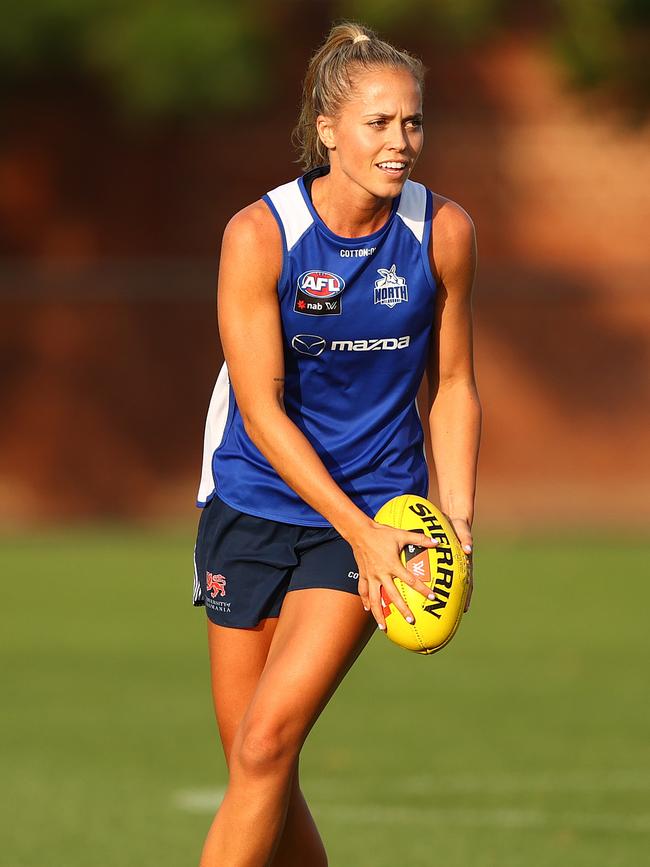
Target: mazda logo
308	344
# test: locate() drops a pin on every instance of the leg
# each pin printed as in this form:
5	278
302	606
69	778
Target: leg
319	634
237	658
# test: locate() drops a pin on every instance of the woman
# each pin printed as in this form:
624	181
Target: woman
337	292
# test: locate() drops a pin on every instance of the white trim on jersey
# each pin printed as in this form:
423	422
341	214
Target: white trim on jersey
214	429
413	207
294	213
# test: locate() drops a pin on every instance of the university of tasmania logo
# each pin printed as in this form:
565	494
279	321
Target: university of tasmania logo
390	289
215	584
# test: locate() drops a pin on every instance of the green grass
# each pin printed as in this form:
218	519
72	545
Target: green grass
523	744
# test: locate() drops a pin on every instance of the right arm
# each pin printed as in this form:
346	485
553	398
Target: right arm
249	317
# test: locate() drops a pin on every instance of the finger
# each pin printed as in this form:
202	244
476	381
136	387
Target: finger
396	598
416	583
375	605
420	540
465	539
362	587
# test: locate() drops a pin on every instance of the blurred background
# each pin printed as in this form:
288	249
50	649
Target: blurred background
131	133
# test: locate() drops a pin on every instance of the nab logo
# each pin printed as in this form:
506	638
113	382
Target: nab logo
318	293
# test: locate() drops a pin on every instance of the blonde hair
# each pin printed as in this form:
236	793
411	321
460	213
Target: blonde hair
348	48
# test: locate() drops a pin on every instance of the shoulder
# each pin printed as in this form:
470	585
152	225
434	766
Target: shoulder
253	235
453	239
254	223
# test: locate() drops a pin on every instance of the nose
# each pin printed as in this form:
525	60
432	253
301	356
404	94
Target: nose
398	140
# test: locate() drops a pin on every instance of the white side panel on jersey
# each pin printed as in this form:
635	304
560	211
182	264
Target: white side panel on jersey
214	428
412	207
293	211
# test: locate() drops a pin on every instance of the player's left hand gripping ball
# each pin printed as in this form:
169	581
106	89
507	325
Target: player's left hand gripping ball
445	568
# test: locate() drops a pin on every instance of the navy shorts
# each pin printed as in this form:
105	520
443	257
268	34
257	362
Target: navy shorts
244	565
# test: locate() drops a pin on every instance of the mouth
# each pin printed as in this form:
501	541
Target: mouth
394	168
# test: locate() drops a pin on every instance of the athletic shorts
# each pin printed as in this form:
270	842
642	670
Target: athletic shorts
245	565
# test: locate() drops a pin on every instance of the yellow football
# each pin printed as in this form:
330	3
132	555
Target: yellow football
445	568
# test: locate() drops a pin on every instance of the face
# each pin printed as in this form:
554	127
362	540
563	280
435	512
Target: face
378	128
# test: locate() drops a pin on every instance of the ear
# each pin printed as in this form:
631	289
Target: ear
325	129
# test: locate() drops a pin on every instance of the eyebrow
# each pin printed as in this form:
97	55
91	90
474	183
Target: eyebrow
417	115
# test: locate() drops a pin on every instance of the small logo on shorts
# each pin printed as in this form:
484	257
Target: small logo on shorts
353	575
216	584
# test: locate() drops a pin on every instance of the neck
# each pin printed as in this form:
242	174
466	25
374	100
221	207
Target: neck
347	208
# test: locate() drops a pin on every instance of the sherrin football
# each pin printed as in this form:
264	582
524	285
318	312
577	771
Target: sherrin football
445	568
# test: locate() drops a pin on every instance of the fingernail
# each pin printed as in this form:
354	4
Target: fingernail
410	620
437	541
365	609
383	628
468	548
431	596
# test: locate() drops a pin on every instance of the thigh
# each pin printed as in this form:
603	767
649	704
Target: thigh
318	636
237	659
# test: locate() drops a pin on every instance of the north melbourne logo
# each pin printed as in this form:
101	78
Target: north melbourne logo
390	289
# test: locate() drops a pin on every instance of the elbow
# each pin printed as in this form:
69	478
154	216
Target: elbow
251	425
258	421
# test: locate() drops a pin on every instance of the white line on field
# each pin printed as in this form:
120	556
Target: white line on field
550	781
199	800
207	801
556	782
477	817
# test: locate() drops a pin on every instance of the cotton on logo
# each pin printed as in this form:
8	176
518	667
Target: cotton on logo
216	584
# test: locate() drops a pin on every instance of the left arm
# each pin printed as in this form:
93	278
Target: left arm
453	406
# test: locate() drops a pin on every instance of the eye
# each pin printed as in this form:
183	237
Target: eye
377	122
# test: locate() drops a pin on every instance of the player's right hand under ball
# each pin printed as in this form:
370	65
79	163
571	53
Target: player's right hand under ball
377	552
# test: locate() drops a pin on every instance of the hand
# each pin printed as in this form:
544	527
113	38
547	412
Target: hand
464	532
377	551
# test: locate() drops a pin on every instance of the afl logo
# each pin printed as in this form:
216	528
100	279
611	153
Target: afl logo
320	284
318	293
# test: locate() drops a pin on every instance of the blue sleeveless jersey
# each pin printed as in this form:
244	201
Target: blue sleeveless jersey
357	317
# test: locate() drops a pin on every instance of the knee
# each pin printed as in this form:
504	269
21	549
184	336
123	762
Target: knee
266	749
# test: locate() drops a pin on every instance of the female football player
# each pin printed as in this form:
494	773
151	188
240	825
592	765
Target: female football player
338	292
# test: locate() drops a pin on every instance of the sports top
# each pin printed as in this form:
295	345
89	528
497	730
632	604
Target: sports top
357	318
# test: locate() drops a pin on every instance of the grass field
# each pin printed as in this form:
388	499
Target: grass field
523	744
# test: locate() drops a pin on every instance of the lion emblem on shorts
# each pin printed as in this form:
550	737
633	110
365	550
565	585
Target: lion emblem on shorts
216	584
